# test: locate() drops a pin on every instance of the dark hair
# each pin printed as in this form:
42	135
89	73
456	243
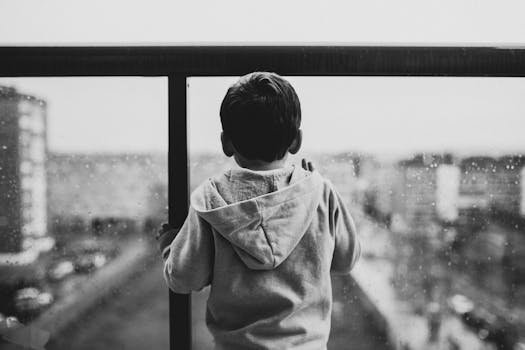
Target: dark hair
261	115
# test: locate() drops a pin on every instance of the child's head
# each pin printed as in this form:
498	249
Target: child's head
261	117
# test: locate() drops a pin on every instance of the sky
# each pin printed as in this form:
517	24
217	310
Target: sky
101	114
127	22
387	115
381	115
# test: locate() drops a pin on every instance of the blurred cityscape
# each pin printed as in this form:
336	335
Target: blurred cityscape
73	227
443	238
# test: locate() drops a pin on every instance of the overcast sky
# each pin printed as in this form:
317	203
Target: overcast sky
102	114
388	115
271	21
393	115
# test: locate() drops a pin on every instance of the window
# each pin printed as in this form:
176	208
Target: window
418	178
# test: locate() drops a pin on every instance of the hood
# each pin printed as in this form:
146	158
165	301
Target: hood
263	230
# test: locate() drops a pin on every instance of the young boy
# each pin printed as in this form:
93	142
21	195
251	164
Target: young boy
265	236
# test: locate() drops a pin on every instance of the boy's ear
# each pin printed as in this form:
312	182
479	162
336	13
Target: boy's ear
227	146
296	143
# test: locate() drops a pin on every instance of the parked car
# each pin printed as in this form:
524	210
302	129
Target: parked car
91	254
60	270
460	304
8	322
31	301
88	262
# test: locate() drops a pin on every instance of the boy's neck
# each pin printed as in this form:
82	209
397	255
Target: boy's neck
260	164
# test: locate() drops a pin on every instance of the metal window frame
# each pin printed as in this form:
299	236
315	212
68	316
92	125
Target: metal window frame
180	62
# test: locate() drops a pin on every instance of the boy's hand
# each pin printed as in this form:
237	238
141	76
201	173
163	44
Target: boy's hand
165	236
307	165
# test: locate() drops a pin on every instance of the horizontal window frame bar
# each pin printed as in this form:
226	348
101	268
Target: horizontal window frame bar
285	60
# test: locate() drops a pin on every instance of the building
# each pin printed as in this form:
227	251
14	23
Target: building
89	191
447	191
477	174
425	191
505	185
23	184
522	192
378	181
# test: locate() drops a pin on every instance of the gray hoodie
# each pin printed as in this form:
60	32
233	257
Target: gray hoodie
266	242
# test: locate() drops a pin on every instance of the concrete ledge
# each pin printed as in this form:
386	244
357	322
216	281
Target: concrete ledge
95	288
404	332
378	316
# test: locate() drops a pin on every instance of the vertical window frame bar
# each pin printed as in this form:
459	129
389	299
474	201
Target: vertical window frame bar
178	199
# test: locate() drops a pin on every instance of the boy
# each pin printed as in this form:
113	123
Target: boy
265	236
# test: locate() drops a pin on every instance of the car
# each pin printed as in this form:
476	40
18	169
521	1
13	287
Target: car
88	262
8	322
31	300
460	304
60	270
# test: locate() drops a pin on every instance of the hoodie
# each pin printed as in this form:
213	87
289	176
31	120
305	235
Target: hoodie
266	242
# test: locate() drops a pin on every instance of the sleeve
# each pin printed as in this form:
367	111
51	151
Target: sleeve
347	247
189	263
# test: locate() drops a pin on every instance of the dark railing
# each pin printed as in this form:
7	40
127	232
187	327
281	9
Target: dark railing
179	63
290	60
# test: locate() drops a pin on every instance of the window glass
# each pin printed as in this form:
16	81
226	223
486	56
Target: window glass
83	185
431	170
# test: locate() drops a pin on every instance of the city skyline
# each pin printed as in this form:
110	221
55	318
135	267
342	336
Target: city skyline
391	116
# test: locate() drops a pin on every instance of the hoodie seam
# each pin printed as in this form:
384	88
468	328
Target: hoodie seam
264	231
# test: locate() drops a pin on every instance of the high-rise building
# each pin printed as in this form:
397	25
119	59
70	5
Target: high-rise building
425	191
506	183
475	186
23	188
